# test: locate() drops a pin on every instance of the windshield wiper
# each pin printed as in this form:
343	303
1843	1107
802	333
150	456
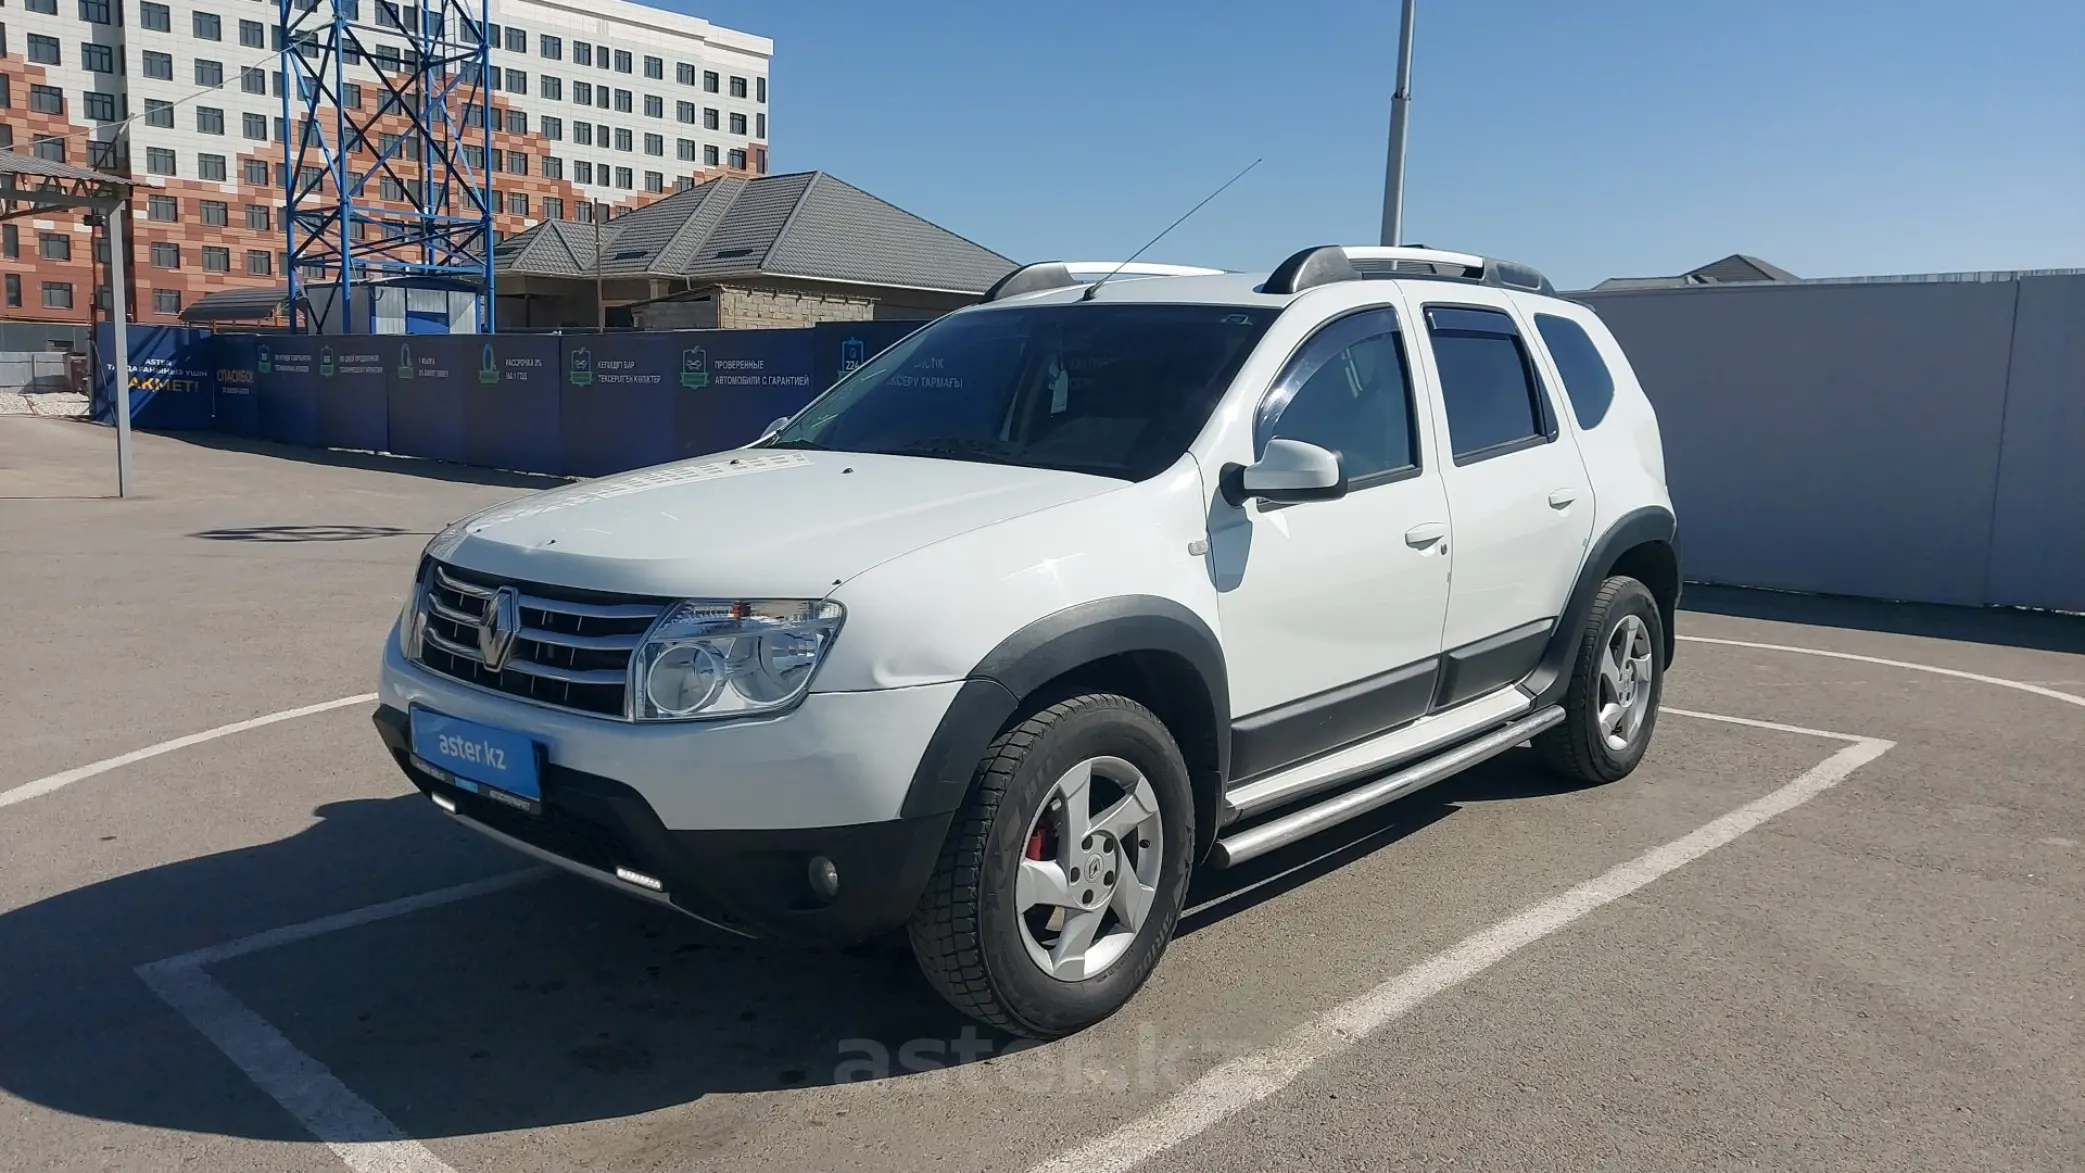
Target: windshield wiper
796	443
958	448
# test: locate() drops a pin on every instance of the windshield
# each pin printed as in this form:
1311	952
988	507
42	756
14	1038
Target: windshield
1116	390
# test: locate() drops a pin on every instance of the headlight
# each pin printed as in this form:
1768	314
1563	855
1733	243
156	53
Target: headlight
708	658
412	619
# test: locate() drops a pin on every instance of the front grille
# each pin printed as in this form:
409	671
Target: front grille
571	648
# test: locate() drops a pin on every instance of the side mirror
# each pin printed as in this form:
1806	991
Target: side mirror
774	425
1289	471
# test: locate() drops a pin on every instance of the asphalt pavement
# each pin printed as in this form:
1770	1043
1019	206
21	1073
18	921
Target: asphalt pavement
1833	922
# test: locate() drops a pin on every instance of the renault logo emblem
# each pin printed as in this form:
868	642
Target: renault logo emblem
501	624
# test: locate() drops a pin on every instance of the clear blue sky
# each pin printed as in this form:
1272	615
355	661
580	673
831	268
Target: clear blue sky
1590	138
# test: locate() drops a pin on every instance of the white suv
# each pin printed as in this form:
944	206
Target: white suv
1114	575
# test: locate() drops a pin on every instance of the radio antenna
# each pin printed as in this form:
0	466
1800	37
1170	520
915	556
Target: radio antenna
1095	287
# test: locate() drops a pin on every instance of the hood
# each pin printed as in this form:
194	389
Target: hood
758	523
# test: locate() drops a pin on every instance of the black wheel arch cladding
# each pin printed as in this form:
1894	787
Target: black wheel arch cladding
1643	544
1122	629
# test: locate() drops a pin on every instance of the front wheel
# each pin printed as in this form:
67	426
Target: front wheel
1616	680
1063	875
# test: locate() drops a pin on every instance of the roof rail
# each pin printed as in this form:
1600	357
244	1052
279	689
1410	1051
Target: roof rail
1328	263
1067	274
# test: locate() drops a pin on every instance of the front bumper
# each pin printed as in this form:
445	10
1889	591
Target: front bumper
755	882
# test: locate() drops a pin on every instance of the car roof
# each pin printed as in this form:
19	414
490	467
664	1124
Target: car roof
1201	289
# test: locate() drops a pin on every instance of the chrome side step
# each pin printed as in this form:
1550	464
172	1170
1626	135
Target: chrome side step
1257	841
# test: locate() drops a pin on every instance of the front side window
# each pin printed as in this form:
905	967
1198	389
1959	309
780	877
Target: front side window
1116	390
1587	381
1348	390
1488	386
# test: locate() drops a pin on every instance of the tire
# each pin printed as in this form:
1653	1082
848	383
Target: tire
1585	747
981	935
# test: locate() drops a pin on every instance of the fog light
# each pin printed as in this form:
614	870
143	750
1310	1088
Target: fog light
640	879
825	877
444	801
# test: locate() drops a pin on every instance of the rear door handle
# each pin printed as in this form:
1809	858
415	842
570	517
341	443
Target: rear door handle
1426	534
1562	498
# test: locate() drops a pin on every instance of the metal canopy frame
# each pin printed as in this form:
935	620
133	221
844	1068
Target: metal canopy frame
336	164
30	186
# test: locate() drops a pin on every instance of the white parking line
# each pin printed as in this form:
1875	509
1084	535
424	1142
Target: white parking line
2000	681
1239	1083
360	1135
43	786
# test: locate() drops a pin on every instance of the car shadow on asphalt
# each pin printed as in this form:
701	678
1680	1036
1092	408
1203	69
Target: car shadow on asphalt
412	466
2051	631
548	1003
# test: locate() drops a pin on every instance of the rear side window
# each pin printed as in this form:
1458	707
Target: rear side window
1587	381
1488	387
1347	390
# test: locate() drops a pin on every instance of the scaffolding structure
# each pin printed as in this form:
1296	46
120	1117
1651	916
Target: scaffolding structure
385	148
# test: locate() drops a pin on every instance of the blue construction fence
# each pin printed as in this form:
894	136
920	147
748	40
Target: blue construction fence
571	405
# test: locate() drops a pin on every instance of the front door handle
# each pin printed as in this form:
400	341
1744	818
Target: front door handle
1426	534
1562	498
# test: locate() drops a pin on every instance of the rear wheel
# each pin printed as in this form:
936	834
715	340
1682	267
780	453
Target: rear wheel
1062	877
1611	708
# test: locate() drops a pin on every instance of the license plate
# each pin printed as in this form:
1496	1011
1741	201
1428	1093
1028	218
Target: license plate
498	764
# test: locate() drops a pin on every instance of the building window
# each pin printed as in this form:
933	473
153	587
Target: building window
473	156
517	82
159	160
252	34
158	113
352	93
217	259
210	167
654	144
760	126
97	58
582	53
684	73
553	167
209	120
517	122
553	208
738	124
601	97
622	61
391	189
208	27
517	40
100	107
654	181
582	171
10	241
517	203
166	255
257	171
160	207
622	139
622	101
583	133
711	119
159	65
166	301
57	295
257	217
209	73
684	112
43	50
54	246
624	180
552	48
94	11
583	93
760	84
253	80
14	289
738	160
738	87
50	149
684	149
709	155
152	16
258	262
654	106
517	163
254	126
550	87
216	213
553	127
709	80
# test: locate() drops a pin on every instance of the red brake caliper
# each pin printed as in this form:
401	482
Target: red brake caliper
1035	844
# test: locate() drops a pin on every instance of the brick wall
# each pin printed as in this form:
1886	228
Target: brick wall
26	264
754	308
